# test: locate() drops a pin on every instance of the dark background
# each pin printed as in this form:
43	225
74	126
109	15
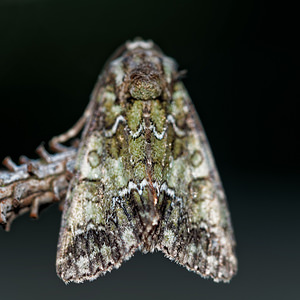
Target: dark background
243	76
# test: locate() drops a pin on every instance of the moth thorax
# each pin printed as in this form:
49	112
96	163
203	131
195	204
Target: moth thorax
145	84
145	89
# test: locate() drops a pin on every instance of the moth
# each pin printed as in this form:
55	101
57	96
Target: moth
141	177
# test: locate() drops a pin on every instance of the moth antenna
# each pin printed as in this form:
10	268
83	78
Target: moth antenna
181	74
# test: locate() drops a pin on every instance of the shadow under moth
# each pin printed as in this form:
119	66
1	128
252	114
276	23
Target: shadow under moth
142	176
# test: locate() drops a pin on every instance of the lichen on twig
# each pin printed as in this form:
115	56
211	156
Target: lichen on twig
33	183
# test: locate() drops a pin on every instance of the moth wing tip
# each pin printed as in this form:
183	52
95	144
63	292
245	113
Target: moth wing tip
220	277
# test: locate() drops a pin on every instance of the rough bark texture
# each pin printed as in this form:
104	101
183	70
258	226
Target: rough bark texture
34	183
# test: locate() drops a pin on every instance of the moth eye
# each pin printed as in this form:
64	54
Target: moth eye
145	89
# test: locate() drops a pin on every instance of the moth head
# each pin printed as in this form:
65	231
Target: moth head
142	71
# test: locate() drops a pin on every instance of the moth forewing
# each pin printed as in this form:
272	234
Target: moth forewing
196	230
144	176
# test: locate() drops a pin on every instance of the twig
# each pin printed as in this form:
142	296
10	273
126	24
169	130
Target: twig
35	182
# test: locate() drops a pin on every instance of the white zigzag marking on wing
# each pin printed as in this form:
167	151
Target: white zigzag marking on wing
113	130
159	136
140	187
177	130
138	132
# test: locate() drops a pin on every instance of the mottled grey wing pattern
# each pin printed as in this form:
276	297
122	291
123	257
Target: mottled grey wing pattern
144	177
195	227
98	231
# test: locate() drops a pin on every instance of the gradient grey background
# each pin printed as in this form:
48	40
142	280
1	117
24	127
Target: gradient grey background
243	76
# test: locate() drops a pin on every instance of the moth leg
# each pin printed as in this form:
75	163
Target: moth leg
56	142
